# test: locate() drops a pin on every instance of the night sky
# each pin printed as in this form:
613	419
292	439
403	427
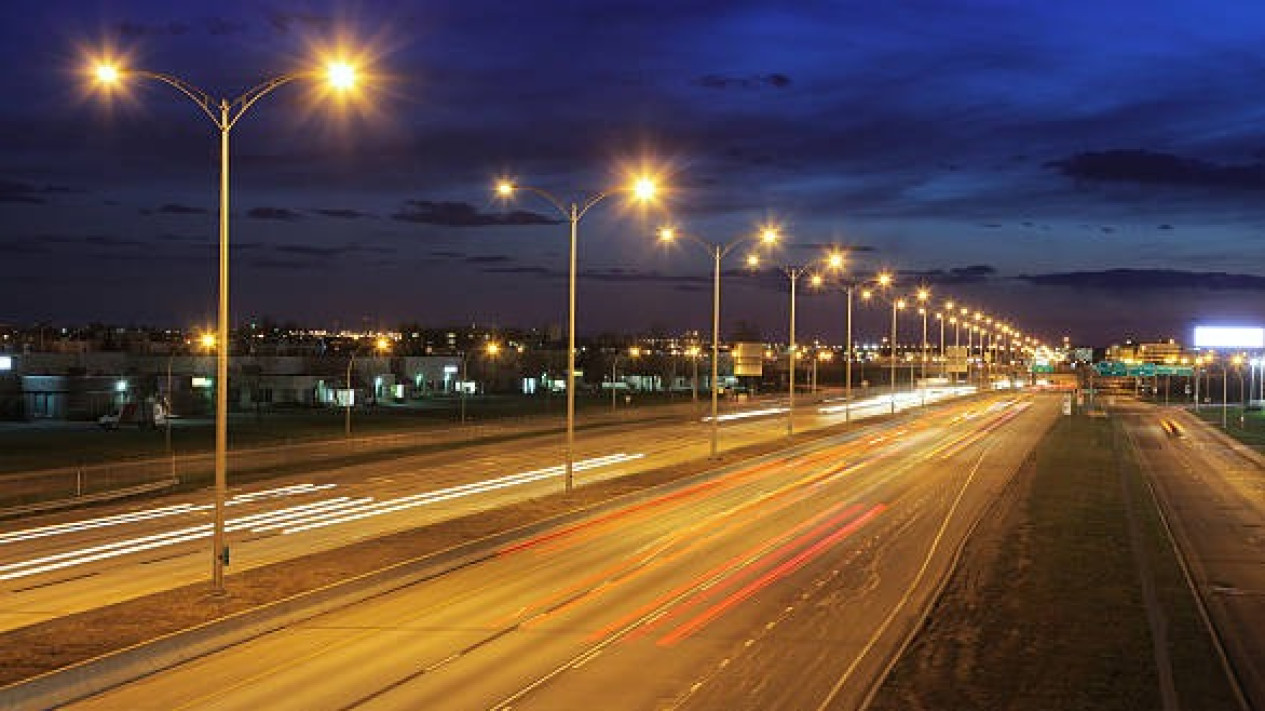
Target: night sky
1091	169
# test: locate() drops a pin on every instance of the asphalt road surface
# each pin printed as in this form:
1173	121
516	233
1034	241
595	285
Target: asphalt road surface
1213	491
64	563
785	582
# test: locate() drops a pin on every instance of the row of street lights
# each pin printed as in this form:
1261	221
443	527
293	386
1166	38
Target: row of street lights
342	77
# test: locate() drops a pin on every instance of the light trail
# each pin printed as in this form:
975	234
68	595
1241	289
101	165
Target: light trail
434	497
308	516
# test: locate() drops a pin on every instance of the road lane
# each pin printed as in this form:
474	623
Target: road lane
1213	495
757	588
92	565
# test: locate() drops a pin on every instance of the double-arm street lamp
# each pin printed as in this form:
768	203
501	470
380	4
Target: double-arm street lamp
897	305
718	251
224	114
642	189
837	262
793	274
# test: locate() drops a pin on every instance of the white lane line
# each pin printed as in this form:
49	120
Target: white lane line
75	526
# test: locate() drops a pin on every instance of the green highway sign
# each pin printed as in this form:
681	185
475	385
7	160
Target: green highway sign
1115	368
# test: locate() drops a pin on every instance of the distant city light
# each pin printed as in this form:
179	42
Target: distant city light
6	363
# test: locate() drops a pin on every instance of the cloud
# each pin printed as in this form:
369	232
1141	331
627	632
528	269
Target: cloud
284	264
273	213
444	254
175	209
171	237
974	274
301	21
463	214
219	26
15	247
827	247
633	276
18	192
135	30
760	81
308	250
344	213
104	241
1152	168
1148	280
533	271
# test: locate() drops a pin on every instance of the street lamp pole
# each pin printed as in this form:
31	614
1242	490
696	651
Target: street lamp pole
793	273
893	365
718	251
643	189
224	114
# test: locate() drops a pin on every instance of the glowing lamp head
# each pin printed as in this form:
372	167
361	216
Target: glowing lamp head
835	260
107	73
923	294
769	235
644	189
382	344
505	188
867	295
884	279
340	75
493	348
667	234
207	340
753	260
816	280
900	304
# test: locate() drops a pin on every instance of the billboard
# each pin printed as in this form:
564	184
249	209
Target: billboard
1229	337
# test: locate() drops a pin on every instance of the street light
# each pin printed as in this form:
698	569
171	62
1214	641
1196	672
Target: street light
718	251
224	114
381	345
884	281
644	190
633	352
836	262
491	349
922	296
793	274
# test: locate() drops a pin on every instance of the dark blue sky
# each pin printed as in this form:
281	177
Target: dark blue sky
1015	155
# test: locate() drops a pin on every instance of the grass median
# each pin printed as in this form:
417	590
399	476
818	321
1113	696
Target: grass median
1048	606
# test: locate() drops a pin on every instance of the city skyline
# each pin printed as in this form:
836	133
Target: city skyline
1078	169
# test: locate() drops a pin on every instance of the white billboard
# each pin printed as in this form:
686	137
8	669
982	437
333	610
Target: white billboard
1229	337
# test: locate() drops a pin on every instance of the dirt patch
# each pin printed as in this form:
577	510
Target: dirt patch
54	644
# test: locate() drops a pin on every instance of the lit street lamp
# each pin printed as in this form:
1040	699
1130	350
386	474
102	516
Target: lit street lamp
897	304
380	345
224	114
643	189
836	262
491	349
793	274
718	251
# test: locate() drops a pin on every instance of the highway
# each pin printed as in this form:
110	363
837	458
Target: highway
1213	495
59	564
789	581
